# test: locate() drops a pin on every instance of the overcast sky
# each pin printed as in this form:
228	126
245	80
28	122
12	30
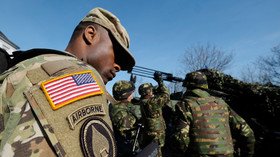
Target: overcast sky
160	30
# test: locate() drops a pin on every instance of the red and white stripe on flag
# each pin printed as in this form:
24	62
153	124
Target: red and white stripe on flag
69	88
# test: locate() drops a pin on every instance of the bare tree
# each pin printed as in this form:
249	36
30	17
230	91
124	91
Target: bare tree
265	70
251	74
270	66
248	74
206	56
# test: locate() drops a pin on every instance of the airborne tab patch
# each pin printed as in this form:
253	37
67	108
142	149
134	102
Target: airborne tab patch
69	88
90	110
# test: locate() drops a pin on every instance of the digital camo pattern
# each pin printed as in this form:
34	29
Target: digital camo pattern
206	124
124	124
151	110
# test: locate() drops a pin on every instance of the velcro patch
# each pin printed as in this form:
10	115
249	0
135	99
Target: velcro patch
97	138
63	90
81	113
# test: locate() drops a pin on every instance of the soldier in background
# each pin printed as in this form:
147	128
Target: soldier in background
151	110
123	117
206	124
53	103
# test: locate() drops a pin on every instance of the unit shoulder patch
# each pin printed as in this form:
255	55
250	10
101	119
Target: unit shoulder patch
97	138
65	89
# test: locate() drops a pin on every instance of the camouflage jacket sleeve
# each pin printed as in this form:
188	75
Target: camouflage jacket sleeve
180	138
242	133
161	98
123	120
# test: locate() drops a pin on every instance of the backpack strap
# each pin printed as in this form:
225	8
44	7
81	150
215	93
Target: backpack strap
5	60
19	56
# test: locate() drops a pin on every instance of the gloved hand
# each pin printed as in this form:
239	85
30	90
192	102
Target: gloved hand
158	76
132	78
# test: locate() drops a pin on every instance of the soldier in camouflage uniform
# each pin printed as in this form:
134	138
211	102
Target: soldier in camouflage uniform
151	110
53	103
206	124
123	118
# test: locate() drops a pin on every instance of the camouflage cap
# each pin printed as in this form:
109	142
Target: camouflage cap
113	24
145	88
195	80
123	89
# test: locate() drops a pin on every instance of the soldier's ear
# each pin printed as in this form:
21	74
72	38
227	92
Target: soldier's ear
89	34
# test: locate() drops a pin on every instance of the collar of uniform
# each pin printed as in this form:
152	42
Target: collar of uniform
197	93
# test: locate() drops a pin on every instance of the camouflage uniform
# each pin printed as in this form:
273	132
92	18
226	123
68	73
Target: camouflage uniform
258	104
30	127
207	123
53	104
123	119
151	110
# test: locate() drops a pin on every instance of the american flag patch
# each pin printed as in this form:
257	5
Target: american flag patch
68	88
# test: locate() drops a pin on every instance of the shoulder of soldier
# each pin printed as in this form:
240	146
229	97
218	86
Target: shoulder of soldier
118	108
156	102
50	64
27	59
201	93
120	105
219	101
162	97
47	67
135	107
119	113
129	104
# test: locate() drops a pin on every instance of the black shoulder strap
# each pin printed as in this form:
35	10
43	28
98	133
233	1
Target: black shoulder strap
19	56
5	60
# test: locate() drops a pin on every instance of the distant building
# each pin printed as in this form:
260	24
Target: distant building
6	44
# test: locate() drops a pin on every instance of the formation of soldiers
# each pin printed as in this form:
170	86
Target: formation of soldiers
200	125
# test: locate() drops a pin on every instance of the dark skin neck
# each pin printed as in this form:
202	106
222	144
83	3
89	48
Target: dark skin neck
80	42
76	49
